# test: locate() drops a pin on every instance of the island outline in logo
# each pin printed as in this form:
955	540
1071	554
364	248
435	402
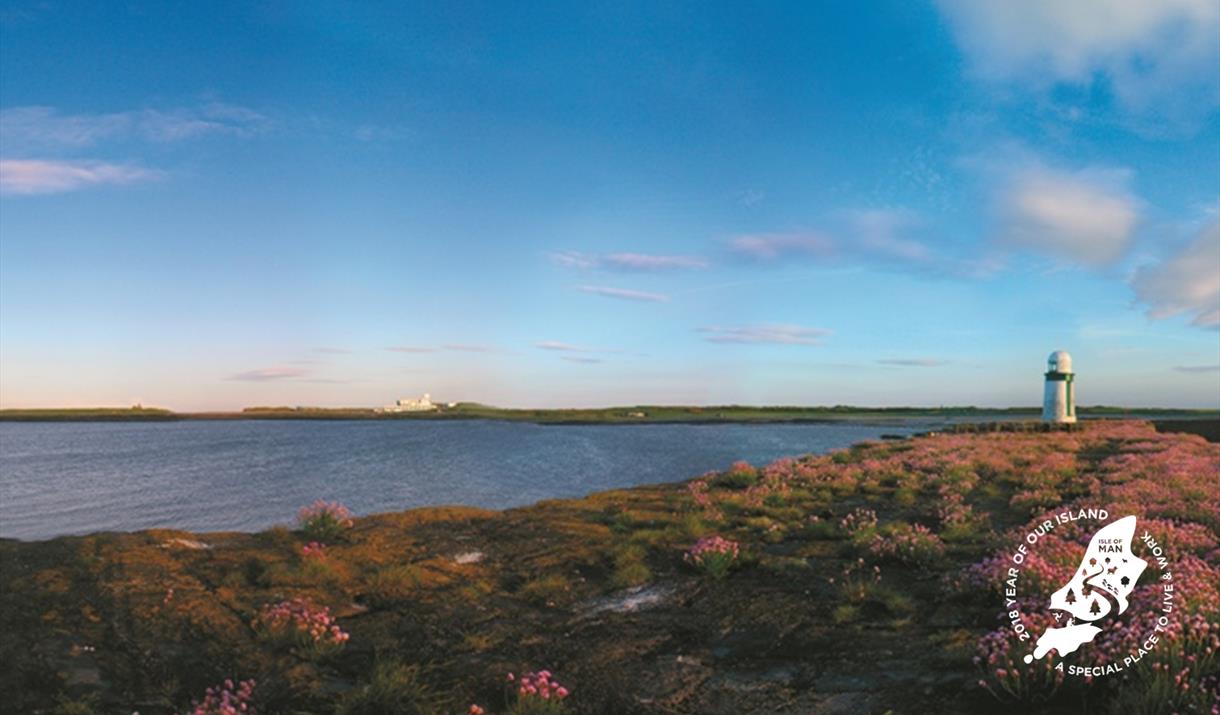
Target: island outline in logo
1097	592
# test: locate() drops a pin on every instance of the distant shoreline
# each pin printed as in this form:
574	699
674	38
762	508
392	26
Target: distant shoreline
642	414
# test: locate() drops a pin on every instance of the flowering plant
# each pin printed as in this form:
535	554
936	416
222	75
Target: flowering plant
861	523
715	555
226	699
537	694
300	623
911	544
314	550
324	521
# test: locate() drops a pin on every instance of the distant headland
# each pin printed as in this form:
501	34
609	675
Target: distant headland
636	414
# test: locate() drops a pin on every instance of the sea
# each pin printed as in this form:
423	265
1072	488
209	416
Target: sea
60	478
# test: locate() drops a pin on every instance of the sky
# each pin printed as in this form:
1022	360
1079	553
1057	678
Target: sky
215	205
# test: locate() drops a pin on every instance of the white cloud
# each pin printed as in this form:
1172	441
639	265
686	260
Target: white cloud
1088	217
776	334
38	129
576	353
573	259
453	347
913	362
1185	283
768	247
270	374
626	294
883	237
1197	368
880	233
1156	56
41	176
627	262
561	347
36	138
649	262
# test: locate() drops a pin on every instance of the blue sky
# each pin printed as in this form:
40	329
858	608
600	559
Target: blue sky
212	205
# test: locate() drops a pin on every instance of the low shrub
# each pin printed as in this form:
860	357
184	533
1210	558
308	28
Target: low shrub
395	688
390	585
911	544
630	568
298	624
227	698
548	590
740	476
324	521
86	705
538	694
860	524
714	555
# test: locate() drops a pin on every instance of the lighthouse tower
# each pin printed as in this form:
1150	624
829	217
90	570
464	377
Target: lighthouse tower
1059	402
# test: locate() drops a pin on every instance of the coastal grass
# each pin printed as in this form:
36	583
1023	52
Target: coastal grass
815	596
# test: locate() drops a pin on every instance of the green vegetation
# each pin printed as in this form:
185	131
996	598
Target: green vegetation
884	602
547	590
630	569
394	689
88	414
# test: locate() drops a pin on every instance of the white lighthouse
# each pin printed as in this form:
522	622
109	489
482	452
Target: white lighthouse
1059	402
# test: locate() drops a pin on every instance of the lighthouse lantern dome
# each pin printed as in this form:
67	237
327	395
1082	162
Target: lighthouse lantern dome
1059	361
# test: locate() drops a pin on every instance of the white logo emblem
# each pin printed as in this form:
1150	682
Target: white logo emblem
1099	588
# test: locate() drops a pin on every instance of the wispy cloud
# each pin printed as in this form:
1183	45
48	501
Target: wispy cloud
765	247
882	237
1197	368
27	177
37	129
913	362
573	259
561	347
410	349
628	262
626	294
1187	282
332	351
576	353
452	347
1088	216
651	262
751	197
270	374
883	234
776	334
37	140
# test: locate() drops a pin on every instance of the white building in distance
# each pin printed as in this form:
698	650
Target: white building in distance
423	404
1059	399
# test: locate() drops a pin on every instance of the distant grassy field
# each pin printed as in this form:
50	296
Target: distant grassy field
88	414
601	415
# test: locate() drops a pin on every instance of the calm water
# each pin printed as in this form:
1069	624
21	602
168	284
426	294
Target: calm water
73	478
